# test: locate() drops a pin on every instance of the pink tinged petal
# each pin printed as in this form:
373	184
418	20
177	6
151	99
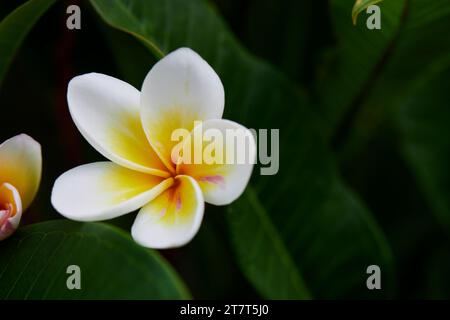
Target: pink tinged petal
10	210
173	218
162	212
5	214
178	202
217	179
6	230
222	182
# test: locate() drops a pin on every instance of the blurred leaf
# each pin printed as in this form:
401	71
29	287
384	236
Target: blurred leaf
261	251
360	6
374	70
423	121
208	255
15	27
421	50
300	233
417	53
329	246
123	46
438	277
360	54
33	264
287	33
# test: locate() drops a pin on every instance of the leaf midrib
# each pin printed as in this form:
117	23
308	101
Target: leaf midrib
278	243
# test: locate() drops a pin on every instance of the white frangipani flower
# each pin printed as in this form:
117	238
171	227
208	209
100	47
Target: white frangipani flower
20	175
134	130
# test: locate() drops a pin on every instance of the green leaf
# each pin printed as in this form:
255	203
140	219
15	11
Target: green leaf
374	70
423	123
286	33
375	93
421	33
122	46
358	58
34	261
298	234
271	268
15	27
283	249
437	275
360	6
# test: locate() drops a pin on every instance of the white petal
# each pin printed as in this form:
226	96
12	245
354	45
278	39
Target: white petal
172	219
178	90
21	166
106	111
10	210
104	190
224	181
